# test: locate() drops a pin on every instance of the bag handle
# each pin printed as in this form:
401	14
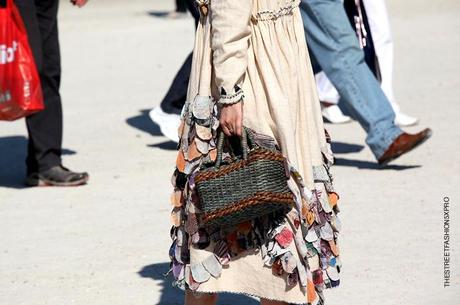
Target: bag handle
220	146
9	4
16	15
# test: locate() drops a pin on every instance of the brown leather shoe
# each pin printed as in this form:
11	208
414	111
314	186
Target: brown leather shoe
403	144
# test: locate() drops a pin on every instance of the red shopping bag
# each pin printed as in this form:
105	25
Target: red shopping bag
20	90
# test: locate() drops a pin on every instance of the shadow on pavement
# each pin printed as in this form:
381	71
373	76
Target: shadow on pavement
12	161
158	14
345	148
174	296
168	145
371	165
143	123
164	14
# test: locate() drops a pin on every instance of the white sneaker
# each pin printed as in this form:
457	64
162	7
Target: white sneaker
404	120
334	115
169	123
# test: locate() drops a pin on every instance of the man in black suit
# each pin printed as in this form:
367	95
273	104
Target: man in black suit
44	164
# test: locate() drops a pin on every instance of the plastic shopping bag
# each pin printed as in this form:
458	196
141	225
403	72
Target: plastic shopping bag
20	90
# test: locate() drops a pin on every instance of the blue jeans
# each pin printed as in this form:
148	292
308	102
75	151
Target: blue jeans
335	49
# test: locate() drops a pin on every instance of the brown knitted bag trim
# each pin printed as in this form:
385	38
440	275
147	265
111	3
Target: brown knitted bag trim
255	155
256	199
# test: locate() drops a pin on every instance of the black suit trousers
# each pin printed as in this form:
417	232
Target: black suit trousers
44	127
177	93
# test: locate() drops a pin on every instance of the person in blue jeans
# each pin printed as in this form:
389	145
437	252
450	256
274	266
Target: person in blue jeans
334	49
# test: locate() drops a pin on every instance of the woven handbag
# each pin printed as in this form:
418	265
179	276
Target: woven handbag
249	186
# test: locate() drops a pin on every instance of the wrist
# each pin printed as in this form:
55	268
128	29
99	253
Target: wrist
233	98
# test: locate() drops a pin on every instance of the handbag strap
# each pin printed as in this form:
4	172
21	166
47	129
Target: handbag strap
16	15
220	146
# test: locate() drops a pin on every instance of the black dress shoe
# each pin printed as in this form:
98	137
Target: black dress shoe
57	176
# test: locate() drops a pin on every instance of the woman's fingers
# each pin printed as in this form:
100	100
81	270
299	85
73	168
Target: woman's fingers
231	119
239	126
230	128
226	130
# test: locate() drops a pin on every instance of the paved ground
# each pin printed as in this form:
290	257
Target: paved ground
106	243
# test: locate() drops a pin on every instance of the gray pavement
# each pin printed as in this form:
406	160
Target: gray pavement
107	242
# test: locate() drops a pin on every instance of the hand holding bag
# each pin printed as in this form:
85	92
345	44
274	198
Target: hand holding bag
20	90
249	186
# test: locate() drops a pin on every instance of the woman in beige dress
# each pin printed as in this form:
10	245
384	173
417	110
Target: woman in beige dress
251	68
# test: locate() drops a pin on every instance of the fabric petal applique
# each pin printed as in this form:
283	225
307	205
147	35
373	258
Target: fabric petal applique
312	297
178	270
320	174
336	224
177	199
284	238
180	236
302	274
190	167
333	274
191	225
202	146
326	232
318	277
332	261
221	251
325	204
300	245
192	152
175	217
292	278
192	284
180	129
180	161
333	199
199	273
213	266
288	262
202	106
172	250
313	262
177	254
195	238
334	248
277	267
204	132
213	155
311	236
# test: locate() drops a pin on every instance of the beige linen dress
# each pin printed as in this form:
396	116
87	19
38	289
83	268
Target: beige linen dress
254	51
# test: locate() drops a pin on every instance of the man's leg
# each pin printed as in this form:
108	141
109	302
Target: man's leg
167	114
335	48
177	93
329	98
44	127
383	42
193	9
181	6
